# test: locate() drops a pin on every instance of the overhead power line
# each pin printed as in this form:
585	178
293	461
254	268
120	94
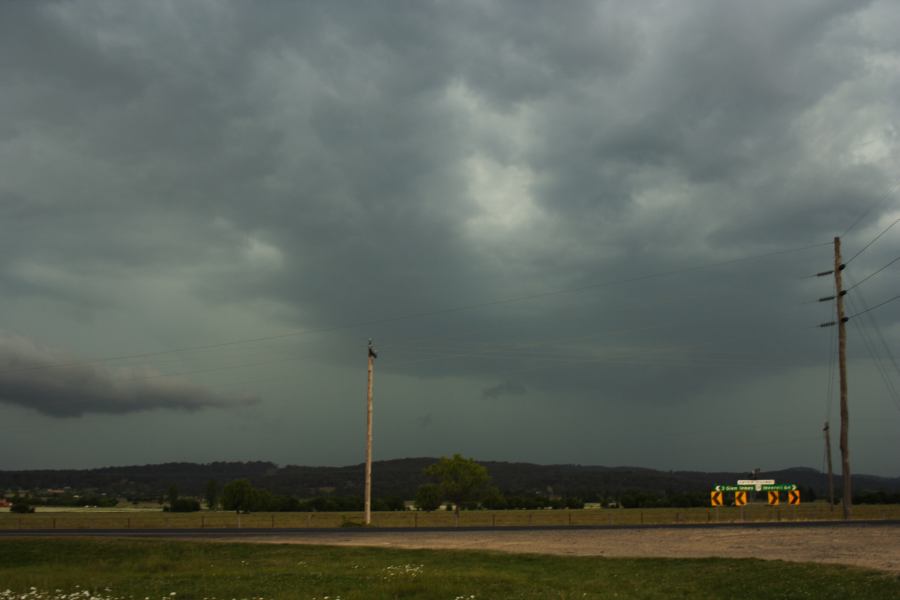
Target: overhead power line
865	214
875	239
871	308
418	315
871	275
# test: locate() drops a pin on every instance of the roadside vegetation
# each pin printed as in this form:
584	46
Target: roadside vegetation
152	569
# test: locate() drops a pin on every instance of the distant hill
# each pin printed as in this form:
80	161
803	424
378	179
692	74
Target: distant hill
400	478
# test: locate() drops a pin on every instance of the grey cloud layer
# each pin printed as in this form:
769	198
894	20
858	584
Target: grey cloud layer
58	385
353	162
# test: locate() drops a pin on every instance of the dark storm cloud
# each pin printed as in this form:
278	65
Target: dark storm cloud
373	162
57	385
505	388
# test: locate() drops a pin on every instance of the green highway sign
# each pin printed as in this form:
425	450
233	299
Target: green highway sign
772	487
780	487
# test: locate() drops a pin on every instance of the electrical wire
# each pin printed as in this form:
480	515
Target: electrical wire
871	308
890	191
871	275
873	325
872	349
875	239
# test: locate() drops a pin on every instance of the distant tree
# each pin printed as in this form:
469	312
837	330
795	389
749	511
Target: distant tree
172	495
238	496
184	505
21	506
572	502
391	503
428	497
494	500
461	480
212	494
809	494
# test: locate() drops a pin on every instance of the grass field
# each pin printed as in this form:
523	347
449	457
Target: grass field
73	569
100	518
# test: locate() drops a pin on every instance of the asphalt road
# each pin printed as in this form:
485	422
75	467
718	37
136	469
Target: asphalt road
211	533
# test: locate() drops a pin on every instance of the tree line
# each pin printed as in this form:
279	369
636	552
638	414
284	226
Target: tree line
455	483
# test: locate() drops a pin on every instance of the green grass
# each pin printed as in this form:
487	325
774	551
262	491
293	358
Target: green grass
155	569
100	518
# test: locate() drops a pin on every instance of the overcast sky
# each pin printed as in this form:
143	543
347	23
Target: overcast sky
578	232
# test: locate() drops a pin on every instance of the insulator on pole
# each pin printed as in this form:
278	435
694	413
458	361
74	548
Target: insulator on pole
824	273
827	298
828	324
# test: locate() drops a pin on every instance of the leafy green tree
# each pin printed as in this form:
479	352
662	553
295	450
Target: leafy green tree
494	499
238	496
460	480
184	505
212	494
21	506
428	497
172	495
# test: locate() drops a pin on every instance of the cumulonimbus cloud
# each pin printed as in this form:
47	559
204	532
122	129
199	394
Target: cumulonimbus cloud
59	385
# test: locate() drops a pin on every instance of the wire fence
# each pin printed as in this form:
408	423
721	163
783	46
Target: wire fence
754	512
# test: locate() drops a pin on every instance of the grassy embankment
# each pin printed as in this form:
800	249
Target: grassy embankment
153	569
100	518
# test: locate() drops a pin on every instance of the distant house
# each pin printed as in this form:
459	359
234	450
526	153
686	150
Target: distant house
4	503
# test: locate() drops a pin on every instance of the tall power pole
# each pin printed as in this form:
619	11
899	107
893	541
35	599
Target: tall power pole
372	356
842	369
827	430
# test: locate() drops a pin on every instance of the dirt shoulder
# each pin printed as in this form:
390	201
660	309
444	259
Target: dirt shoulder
874	547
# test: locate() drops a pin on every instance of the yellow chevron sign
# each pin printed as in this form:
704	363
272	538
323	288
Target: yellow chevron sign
715	498
794	497
774	500
740	498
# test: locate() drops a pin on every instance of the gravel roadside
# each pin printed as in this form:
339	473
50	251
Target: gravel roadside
874	547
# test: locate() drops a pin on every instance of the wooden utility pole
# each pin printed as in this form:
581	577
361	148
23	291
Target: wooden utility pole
842	369
368	502
827	431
